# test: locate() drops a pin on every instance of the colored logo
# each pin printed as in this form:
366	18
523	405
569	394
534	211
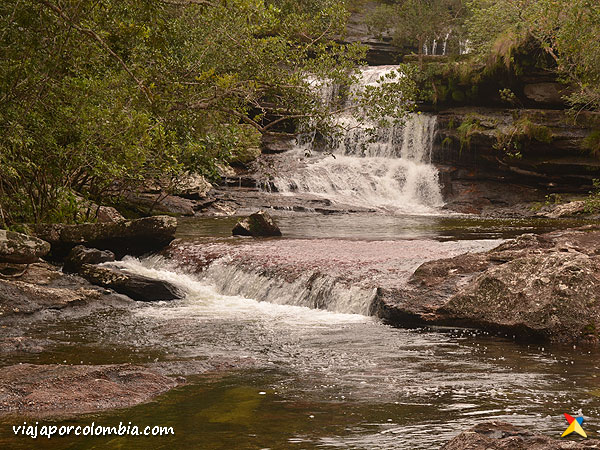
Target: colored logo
574	426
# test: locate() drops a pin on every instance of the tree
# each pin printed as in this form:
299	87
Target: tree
416	22
98	96
566	30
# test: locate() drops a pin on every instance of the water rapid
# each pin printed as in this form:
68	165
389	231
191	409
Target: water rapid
387	168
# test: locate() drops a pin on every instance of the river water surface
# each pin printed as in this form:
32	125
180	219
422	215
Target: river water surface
290	377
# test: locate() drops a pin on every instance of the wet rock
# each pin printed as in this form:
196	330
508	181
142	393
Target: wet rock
137	287
81	255
18	345
21	249
42	286
543	287
18	297
504	436
58	390
276	143
134	237
257	224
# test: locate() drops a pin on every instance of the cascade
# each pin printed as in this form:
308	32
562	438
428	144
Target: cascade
391	170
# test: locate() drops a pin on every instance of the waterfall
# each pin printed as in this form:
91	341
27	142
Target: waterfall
390	170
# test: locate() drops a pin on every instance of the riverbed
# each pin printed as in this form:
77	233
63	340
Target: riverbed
291	377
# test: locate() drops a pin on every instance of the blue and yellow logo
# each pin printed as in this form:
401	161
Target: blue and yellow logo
574	426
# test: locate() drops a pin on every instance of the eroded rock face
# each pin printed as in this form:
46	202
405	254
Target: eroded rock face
259	224
19	248
51	389
504	436
133	237
81	255
135	286
545	287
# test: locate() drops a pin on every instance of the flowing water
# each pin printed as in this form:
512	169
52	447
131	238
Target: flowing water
282	375
292	377
389	169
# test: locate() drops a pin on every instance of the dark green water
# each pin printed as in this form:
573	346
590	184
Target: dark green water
293	378
383	227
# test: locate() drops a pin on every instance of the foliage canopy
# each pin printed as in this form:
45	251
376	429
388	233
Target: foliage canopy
97	96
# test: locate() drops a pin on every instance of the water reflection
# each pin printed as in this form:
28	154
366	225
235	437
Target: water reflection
382	227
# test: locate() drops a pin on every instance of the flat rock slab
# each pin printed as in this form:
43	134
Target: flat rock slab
504	436
366	264
57	390
18	297
42	286
134	237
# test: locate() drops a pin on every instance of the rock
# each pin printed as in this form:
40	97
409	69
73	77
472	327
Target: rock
135	237
546	93
81	255
565	210
555	296
21	249
257	224
504	436
88	210
108	214
547	138
42	286
544	287
137	287
151	203
18	297
43	390
277	143
194	187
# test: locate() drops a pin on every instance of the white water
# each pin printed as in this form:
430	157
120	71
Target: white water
391	170
204	298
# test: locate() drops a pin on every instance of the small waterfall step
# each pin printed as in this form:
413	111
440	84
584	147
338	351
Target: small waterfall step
390	170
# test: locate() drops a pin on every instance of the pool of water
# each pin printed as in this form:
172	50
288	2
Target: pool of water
382	227
299	378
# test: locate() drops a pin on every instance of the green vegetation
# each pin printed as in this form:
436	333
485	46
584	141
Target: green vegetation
565	32
592	143
416	23
592	201
521	132
96	97
466	129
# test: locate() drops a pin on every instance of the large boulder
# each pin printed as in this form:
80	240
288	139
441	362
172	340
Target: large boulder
544	287
81	255
159	203
194	187
19	248
259	224
133	237
504	436
137	287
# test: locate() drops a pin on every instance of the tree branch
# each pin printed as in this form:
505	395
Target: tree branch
91	33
